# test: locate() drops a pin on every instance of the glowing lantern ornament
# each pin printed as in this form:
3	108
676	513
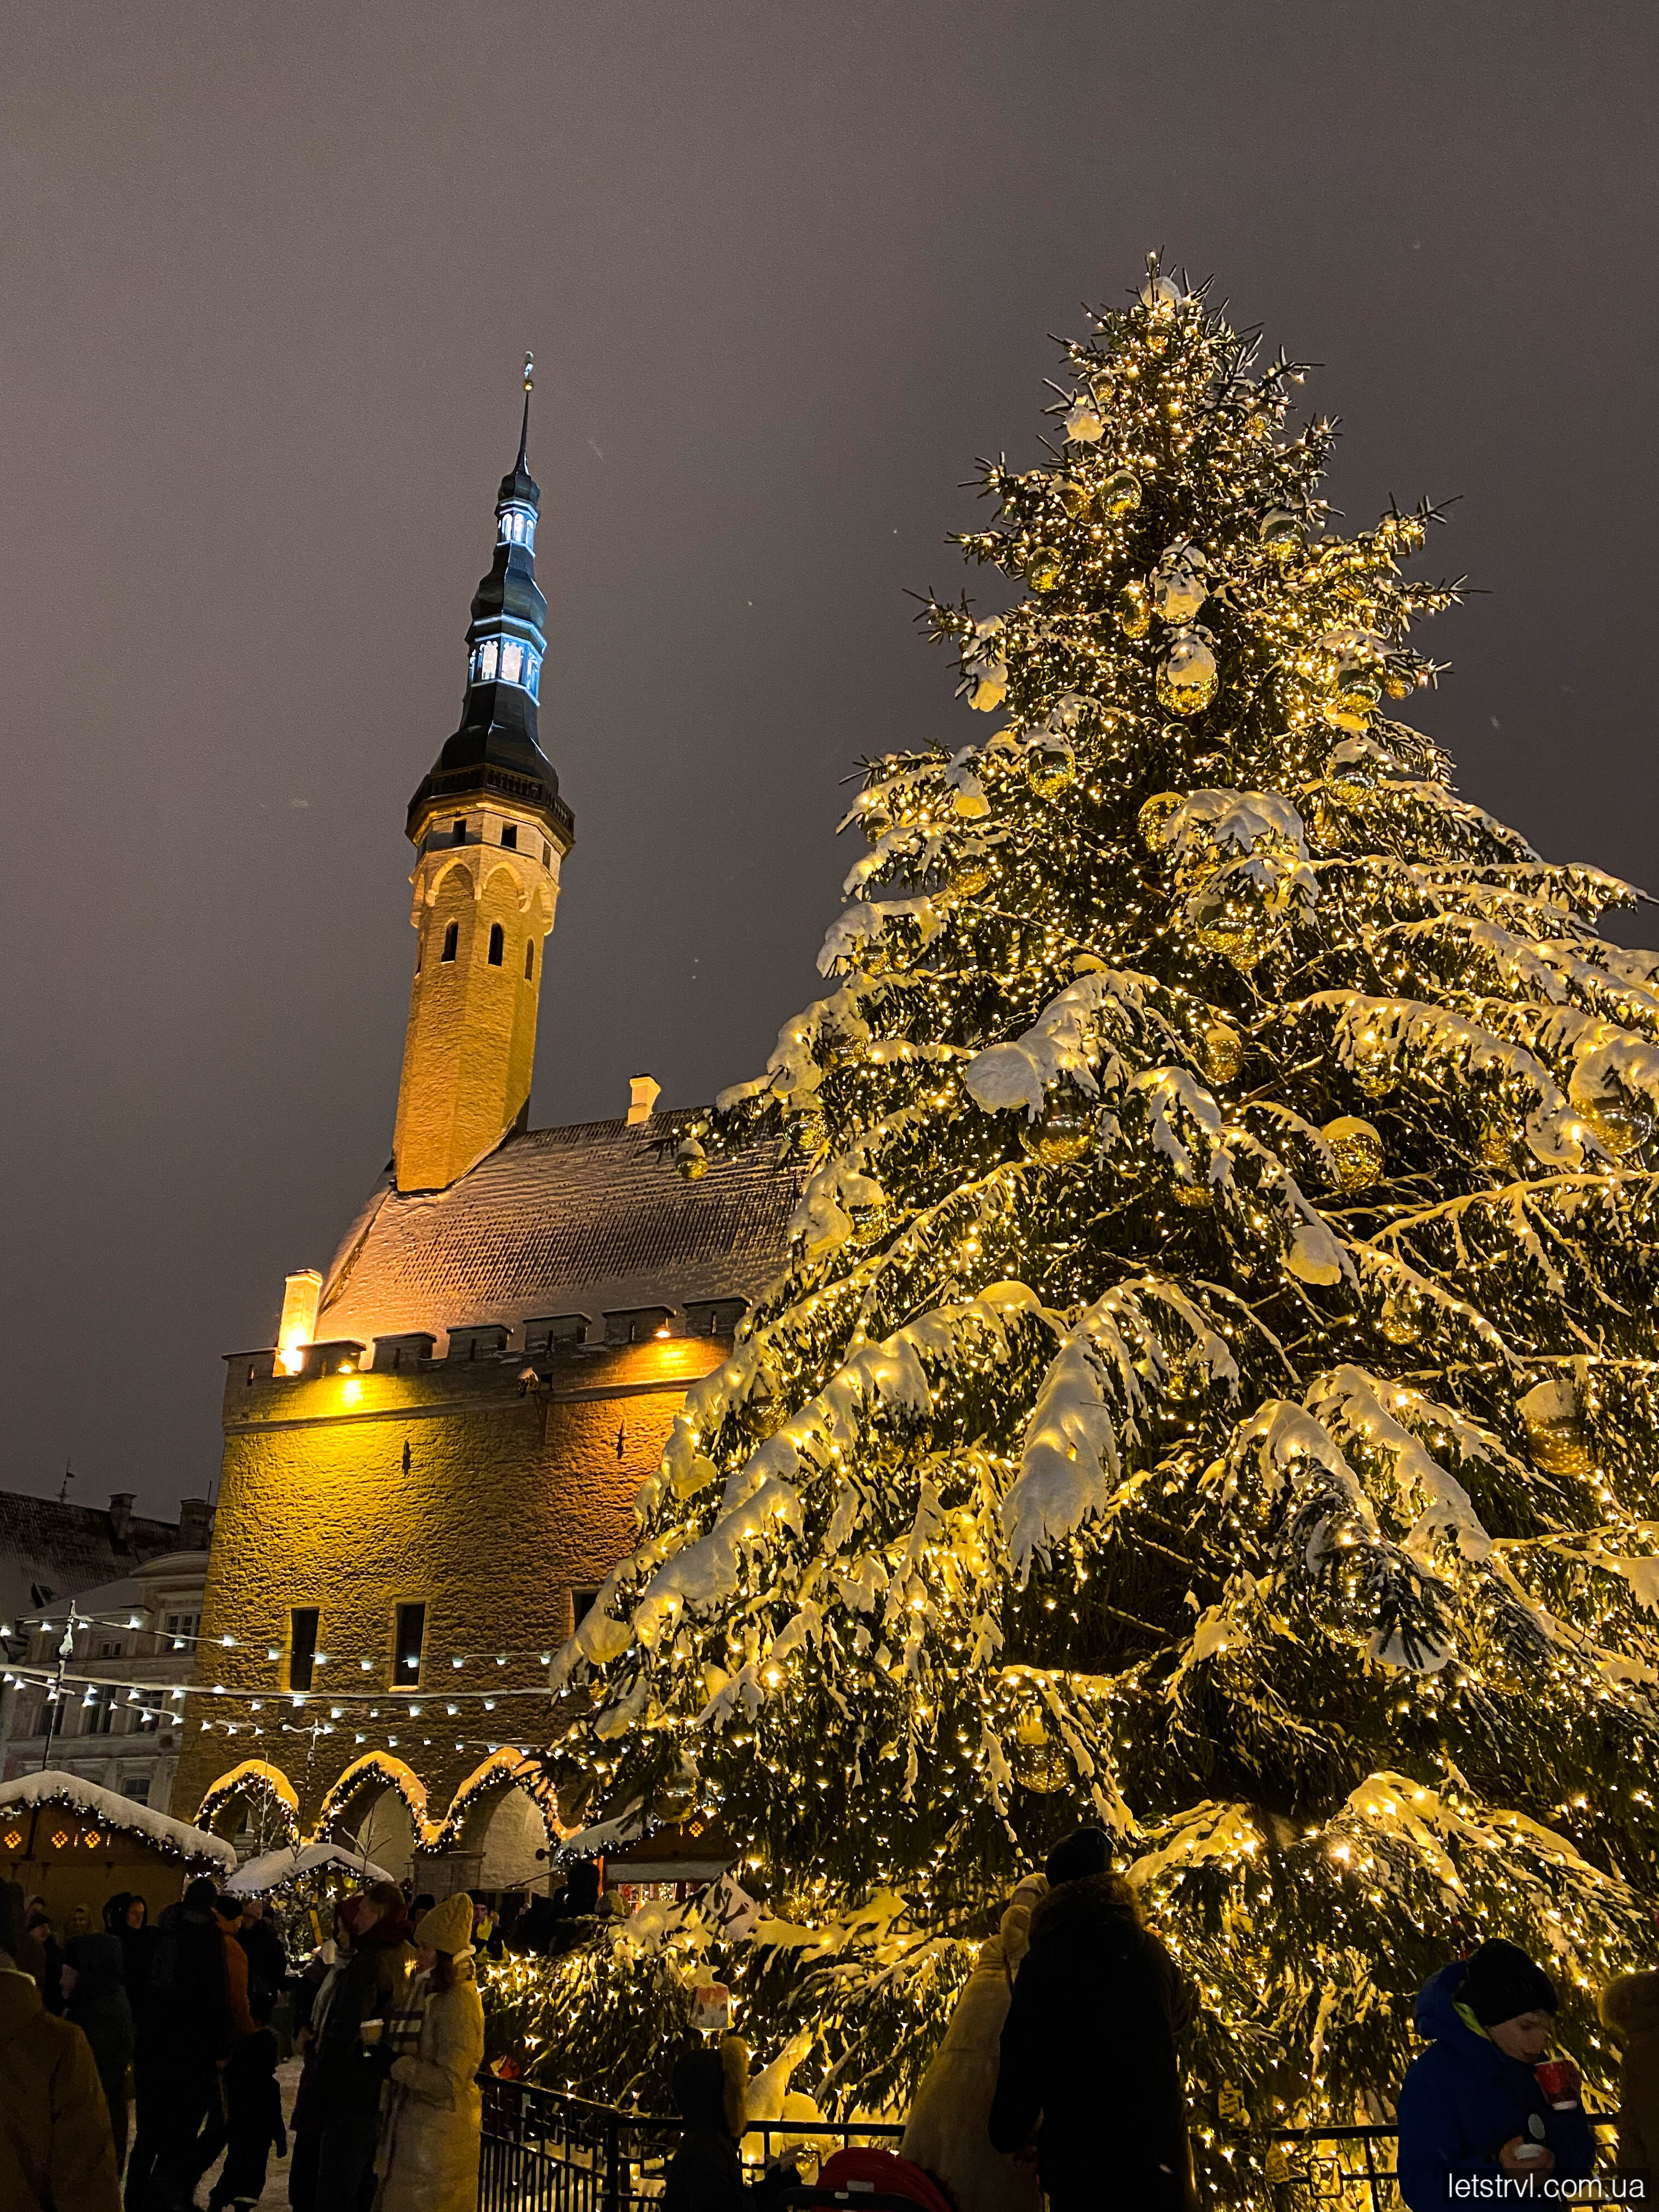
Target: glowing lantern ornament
1555	1428
1040	1764
1119	496
1161	295
1357	1151
1074	498
969	875
1083	424
1616	1128
1187	674
1224	1052
1160	810
691	1160
1045	568
1064	1131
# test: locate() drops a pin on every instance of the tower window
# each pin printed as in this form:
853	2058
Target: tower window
547	854
510	837
487	661
497	944
451	934
406	1652
533	676
530	960
458	834
301	1646
512	662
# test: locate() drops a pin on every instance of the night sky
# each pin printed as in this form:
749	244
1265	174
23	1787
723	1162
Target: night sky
267	275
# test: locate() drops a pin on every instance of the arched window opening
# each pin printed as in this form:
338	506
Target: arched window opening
497	944
452	935
530	960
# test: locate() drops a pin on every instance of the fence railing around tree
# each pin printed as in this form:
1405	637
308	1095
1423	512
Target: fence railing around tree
545	2151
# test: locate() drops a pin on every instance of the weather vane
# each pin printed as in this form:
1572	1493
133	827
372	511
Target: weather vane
530	372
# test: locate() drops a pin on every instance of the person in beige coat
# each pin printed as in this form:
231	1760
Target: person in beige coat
428	2160
1629	2011
946	2133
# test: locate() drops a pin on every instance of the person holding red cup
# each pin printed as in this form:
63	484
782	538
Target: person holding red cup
1479	2104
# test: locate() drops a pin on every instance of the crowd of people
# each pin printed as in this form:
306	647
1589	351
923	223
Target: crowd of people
175	2027
1059	2077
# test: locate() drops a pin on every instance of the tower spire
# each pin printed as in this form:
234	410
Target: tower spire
523	435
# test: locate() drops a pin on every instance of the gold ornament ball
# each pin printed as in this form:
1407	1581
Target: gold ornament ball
1120	495
1064	1131
1039	1763
675	1798
1615	1127
1228	922
1398	1320
1280	533
1134	610
1045	568
1351	772
1357	1149
1187	674
1224	1052
691	1160
970	875
1159	809
1073	497
1554	1423
1351	705
1050	769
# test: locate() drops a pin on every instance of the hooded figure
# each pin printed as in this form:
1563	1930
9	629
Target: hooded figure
1629	2012
946	2133
55	2148
710	2089
97	2003
1471	2102
1088	2043
428	2154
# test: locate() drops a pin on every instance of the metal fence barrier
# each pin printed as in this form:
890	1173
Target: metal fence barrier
545	2151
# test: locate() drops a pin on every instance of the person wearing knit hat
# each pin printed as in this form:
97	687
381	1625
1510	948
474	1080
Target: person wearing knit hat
1471	2105
427	2159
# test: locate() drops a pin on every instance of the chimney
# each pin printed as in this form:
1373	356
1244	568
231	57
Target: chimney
643	1092
195	1525
301	1293
120	1516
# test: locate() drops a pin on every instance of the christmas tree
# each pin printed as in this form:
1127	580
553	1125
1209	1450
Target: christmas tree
1214	1389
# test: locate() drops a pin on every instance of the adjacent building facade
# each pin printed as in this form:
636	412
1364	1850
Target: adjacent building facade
427	1474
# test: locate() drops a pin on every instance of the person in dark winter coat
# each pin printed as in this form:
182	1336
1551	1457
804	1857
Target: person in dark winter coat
96	2000
40	1928
343	2094
126	1917
1629	2012
709	2087
1471	2105
185	2034
254	2106
267	1955
1090	2044
55	2149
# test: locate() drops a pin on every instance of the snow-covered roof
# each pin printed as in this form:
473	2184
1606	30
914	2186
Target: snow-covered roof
49	1549
111	1810
587	1219
258	1877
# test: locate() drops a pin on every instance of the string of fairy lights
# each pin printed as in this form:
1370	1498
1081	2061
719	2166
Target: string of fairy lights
1212	1389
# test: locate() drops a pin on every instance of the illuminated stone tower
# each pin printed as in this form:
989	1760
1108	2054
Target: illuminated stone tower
489	831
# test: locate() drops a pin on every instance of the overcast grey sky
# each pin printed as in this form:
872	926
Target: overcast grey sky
268	273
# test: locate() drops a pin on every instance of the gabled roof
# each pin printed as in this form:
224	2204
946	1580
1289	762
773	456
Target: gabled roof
589	1219
49	1550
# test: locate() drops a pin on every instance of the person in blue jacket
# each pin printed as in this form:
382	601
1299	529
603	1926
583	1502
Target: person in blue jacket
1474	2123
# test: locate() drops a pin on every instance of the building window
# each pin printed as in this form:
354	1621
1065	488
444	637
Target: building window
487	657
532	677
582	1603
148	1715
452	935
135	1786
110	1648
530	960
301	1646
497	944
509	837
512	662
406	1652
100	1715
458	834
180	1627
